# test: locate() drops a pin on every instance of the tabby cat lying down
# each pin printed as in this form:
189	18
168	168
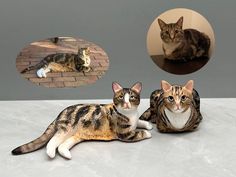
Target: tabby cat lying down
183	44
174	108
63	62
77	123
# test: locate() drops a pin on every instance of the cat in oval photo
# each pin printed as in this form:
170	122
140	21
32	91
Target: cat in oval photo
84	122
174	108
183	44
180	41
62	62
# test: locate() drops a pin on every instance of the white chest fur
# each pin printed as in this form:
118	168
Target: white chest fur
132	115
170	48
87	61
178	120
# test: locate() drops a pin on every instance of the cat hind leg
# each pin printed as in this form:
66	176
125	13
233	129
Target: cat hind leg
146	115
55	141
200	53
42	72
64	148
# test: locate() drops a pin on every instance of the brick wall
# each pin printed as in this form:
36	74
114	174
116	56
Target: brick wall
36	51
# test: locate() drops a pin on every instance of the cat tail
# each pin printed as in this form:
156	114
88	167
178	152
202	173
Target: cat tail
38	142
37	66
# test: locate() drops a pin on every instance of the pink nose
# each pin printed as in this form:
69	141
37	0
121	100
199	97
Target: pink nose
126	105
178	106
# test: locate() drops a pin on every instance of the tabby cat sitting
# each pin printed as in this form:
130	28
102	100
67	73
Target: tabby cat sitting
63	62
183	44
174	108
77	123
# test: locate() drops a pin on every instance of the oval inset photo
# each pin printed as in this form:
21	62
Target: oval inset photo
180	41
62	62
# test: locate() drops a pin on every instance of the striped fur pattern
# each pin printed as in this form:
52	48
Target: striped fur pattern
63	62
82	122
174	101
183	44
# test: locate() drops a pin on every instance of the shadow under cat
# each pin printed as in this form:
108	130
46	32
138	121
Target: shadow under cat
178	67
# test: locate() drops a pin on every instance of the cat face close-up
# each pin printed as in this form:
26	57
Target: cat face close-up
126	98
171	32
177	98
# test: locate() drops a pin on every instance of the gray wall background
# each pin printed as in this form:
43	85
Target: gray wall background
120	28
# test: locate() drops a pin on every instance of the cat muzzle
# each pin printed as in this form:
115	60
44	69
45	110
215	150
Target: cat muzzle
127	106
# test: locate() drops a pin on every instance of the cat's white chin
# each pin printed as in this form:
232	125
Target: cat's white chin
178	111
121	109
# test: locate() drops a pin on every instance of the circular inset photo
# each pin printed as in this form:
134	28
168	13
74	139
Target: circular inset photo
180	41
62	62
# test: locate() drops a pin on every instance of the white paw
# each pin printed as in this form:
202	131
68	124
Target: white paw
41	73
51	152
147	134
64	152
149	126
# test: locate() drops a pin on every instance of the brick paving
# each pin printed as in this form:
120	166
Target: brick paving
36	51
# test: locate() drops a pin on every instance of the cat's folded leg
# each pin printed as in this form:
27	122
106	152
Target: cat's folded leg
144	124
134	136
64	148
200	53
87	69
42	72
55	141
146	115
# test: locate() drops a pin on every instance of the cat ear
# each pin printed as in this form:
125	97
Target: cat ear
137	87
165	86
161	23
116	87
189	86
180	21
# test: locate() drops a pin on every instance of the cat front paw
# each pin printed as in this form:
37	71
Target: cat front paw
41	73
147	134
144	124
149	126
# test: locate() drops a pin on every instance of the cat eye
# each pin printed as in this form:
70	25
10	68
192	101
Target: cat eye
132	97
183	98
171	98
167	32
176	31
121	97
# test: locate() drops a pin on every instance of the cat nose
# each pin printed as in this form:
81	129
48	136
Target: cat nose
178	106
172	35
126	105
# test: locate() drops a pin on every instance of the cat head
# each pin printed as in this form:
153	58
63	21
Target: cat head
126	99
177	98
172	32
84	51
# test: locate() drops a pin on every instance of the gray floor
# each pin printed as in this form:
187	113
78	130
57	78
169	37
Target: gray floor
210	151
